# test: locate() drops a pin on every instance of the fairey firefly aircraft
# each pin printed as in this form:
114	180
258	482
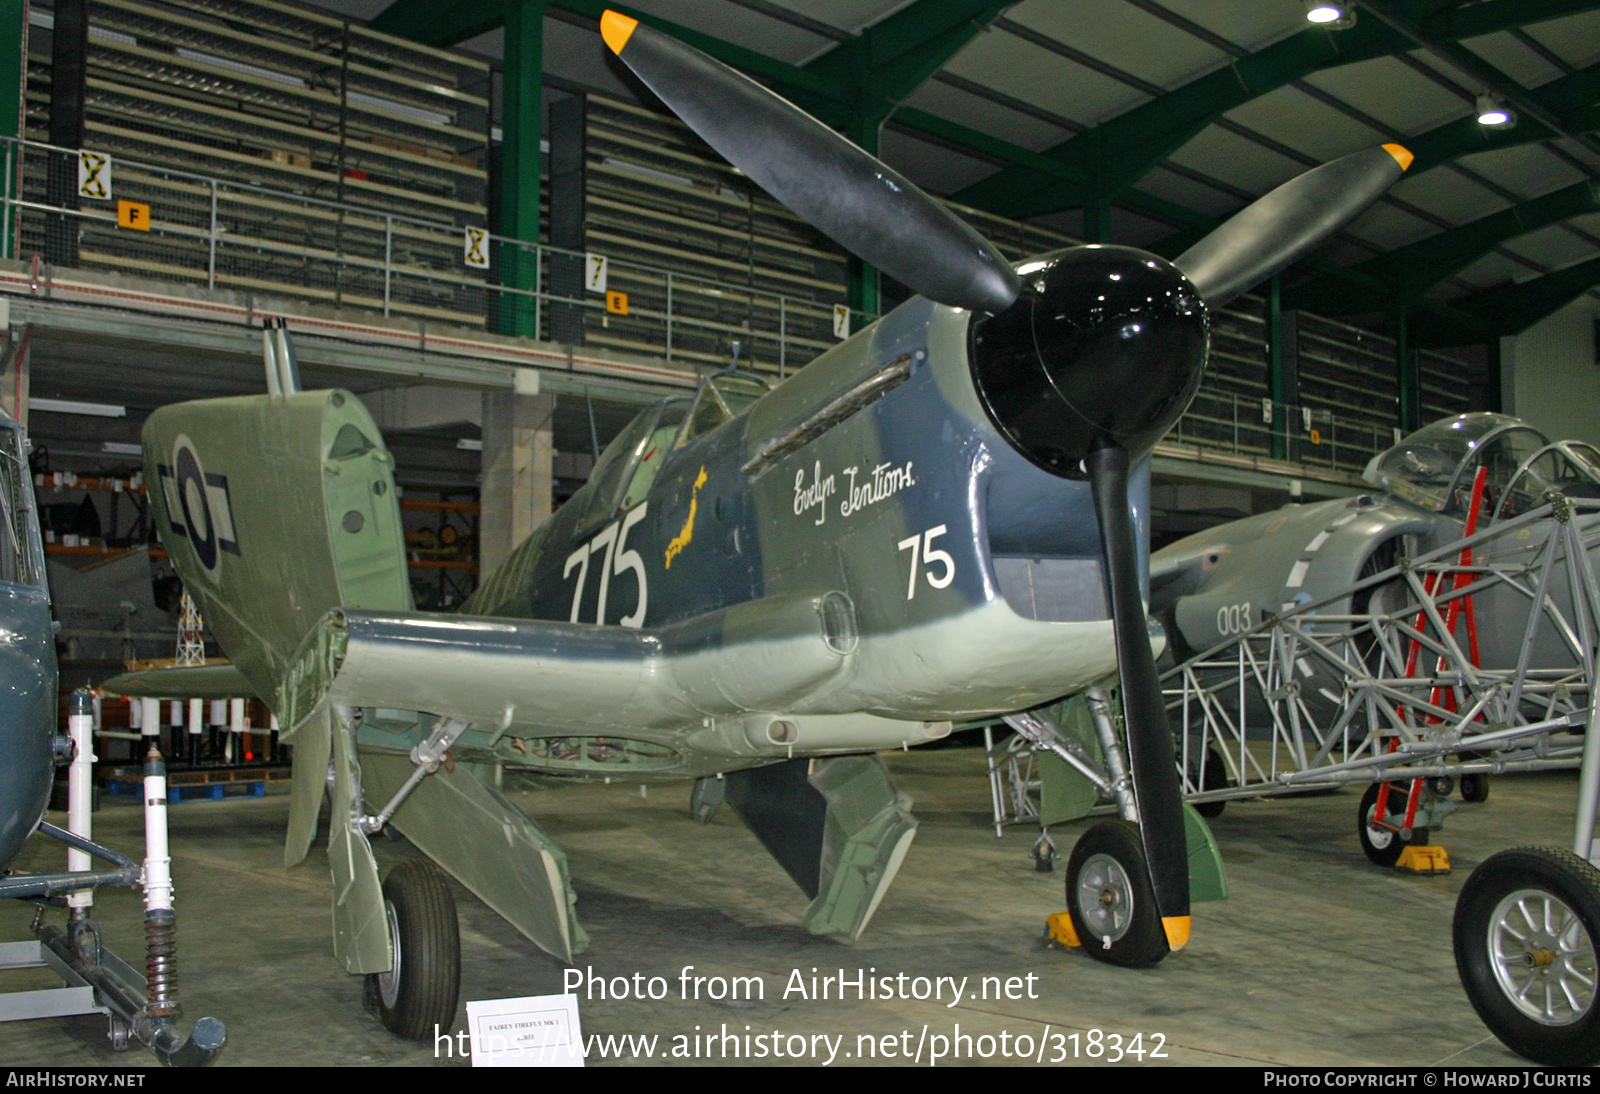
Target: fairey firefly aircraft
935	520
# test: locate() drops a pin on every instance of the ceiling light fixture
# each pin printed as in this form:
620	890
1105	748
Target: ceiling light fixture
1493	113
1329	15
72	406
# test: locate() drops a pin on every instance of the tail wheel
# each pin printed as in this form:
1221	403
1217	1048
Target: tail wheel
418	995
1109	897
1474	788
1525	933
1383	846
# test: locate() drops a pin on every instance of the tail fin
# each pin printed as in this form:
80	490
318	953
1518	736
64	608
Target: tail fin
274	510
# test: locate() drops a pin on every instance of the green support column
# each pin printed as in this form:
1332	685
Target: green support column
522	125
862	292
13	76
1493	397
861	126
1097	220
1407	374
1275	377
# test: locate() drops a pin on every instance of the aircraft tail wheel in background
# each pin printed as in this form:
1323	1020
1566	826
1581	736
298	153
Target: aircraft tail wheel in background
420	991
1525	931
1109	897
1474	788
1213	775
1382	846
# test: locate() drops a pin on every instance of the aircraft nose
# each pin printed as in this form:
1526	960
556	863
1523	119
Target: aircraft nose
1104	344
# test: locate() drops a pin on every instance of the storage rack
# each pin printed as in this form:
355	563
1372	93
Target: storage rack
276	103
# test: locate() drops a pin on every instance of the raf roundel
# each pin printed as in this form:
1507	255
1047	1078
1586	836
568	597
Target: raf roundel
199	506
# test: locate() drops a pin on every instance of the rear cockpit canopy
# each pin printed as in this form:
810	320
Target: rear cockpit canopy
1569	468
1434	467
628	467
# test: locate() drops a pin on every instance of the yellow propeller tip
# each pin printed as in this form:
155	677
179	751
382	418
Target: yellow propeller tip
616	29
1402	155
1176	927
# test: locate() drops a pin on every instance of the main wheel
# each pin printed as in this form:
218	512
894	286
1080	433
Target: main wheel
1214	775
1382	846
419	993
1109	897
1525	929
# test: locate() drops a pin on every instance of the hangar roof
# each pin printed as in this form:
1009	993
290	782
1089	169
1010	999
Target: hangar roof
1200	106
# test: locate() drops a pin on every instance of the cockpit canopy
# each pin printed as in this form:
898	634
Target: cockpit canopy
1434	467
1569	468
626	470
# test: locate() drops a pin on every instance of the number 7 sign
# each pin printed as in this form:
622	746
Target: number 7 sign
594	269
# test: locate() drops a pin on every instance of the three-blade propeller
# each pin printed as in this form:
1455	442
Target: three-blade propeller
885	220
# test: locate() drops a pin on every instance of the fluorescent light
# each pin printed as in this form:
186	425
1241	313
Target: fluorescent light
229	63
467	444
646	172
121	448
389	106
68	406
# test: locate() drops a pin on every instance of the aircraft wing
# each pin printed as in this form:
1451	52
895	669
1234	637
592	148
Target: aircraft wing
182	682
500	674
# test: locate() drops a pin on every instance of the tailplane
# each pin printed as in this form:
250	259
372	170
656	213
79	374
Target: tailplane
276	509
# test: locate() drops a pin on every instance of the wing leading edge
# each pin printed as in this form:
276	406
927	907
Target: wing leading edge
504	675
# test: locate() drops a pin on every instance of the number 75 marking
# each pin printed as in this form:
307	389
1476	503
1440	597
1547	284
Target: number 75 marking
923	545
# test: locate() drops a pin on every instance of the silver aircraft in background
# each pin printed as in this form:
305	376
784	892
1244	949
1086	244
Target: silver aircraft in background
1211	586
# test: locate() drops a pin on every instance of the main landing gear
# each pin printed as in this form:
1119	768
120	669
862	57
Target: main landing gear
1525	932
418	995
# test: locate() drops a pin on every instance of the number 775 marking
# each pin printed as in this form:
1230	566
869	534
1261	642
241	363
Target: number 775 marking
923	545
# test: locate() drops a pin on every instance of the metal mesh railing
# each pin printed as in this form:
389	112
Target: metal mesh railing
1294	433
204	231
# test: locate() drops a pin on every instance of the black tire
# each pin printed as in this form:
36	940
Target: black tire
1474	788
1107	872
1382	846
1213	775
1546	1026
420	993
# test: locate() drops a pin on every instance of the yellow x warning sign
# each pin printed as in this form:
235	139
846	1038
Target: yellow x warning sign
475	248
94	175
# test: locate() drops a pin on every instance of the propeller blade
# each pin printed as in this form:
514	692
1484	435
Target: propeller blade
862	205
1150	751
1273	231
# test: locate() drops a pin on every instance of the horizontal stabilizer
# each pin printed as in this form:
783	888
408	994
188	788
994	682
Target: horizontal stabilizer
223	681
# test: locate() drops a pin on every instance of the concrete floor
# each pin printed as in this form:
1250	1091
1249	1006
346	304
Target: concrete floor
1317	958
